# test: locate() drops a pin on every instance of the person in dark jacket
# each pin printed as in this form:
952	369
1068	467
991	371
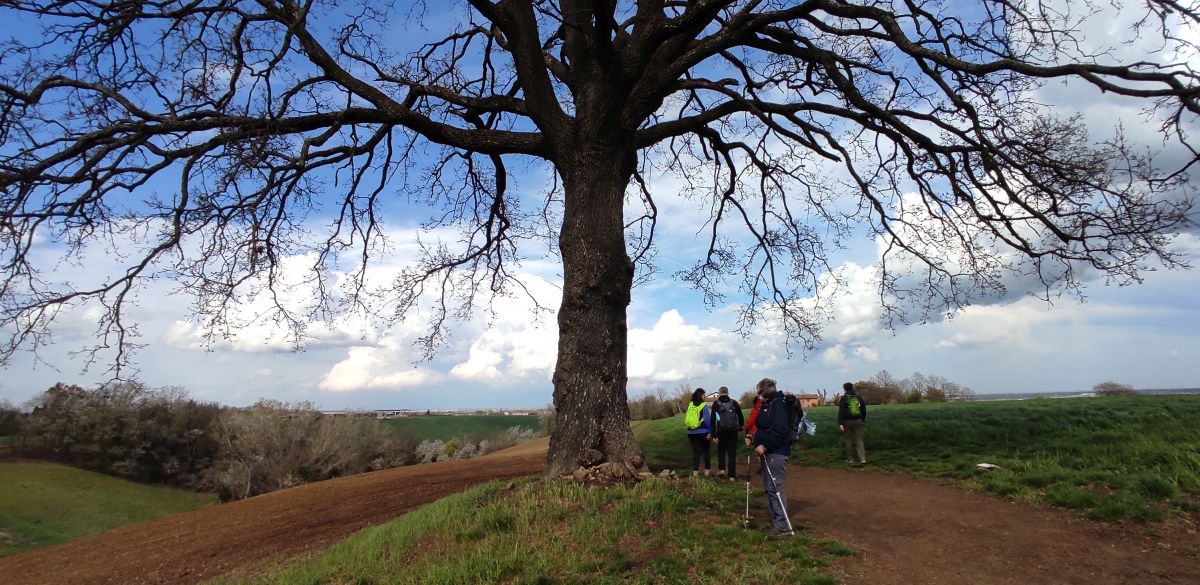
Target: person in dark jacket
700	436
852	422
727	422
773	443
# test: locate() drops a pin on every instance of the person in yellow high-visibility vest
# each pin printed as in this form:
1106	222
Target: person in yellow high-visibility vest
699	431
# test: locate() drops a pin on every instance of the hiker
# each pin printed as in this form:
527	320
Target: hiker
773	443
750	428
699	431
728	422
852	421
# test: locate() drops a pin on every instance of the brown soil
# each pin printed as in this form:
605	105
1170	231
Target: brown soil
905	530
902	530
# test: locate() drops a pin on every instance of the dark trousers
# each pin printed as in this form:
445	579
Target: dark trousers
700	447
852	440
727	446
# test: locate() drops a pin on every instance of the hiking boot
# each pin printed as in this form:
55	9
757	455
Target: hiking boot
707	472
721	473
695	473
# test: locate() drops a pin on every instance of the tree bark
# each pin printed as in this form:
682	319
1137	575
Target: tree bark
591	410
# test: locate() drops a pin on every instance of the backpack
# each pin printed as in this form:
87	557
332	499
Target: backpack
853	406
795	415
692	418
727	416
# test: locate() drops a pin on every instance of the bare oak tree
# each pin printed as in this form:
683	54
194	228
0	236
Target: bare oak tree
208	141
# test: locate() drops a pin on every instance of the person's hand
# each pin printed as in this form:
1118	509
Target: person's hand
748	441
842	428
761	450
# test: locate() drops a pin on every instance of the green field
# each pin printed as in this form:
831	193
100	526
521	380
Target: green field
43	504
1113	457
446	427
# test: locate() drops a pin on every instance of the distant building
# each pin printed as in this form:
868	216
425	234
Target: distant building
809	400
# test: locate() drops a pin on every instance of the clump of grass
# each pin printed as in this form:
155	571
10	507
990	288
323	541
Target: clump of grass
835	548
1155	486
1002	485
658	531
1116	507
1070	496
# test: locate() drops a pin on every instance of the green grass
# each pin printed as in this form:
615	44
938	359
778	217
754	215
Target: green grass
447	427
1115	458
561	532
43	504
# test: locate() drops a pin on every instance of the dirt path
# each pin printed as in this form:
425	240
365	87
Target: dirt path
194	546
904	531
908	531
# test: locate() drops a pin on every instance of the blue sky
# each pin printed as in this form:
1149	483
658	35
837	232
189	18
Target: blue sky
1142	335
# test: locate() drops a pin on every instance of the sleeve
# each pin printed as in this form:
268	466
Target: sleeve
750	427
741	417
864	410
842	409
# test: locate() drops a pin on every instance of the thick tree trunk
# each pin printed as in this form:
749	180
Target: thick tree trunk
591	411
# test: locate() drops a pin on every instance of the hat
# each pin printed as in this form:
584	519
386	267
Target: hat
723	391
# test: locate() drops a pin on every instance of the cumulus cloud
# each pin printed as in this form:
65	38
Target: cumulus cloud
375	368
674	351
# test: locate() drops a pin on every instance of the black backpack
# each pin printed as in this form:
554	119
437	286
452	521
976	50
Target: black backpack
795	415
727	415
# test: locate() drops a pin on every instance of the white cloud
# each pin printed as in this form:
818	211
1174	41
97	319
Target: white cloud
866	354
675	351
375	368
835	357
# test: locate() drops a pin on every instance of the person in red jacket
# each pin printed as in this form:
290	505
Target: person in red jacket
751	427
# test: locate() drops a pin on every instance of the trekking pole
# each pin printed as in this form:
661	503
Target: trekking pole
746	518
778	496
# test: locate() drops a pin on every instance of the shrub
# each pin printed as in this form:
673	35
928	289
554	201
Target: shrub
1114	389
274	445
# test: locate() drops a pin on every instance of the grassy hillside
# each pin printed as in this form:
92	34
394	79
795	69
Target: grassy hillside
449	426
559	532
1114	457
43	504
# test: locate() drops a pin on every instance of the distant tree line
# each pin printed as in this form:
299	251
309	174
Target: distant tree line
884	388
162	436
660	403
